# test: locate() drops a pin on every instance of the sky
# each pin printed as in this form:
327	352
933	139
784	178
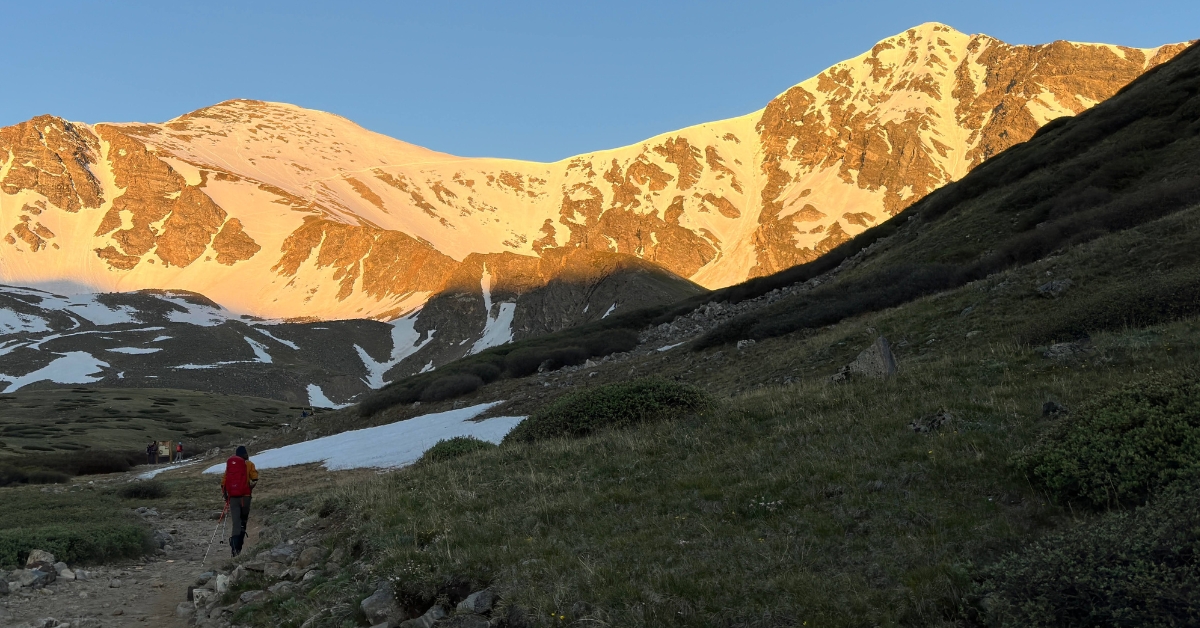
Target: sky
523	80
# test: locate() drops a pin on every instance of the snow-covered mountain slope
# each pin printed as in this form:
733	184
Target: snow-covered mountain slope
281	212
183	340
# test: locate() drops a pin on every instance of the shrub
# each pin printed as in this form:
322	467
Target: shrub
451	386
75	543
485	371
610	341
1124	445
150	489
1152	301
611	406
1124	568
10	474
455	447
528	360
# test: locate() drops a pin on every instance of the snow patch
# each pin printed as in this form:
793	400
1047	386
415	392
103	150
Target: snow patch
387	446
317	398
135	350
286	343
496	331
669	347
610	310
260	350
16	322
193	314
149	475
406	341
73	367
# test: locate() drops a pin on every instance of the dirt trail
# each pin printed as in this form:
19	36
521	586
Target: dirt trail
150	589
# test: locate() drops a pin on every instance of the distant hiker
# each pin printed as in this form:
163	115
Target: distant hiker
179	451
237	484
151	449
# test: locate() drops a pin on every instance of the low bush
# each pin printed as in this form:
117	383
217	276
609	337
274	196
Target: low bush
1121	447
150	489
1139	568
455	447
618	405
10	475
1153	301
75	543
451	386
485	371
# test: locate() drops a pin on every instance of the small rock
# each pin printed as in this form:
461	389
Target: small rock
203	578
185	611
118	613
479	602
39	556
876	361
426	620
973	333
310	574
238	573
932	422
309	557
86	622
281	588
1053	409
744	344
381	606
283	553
1053	289
115	583
273	570
250	596
201	597
82	576
162	538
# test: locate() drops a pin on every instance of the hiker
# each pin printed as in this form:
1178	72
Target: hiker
236	485
179	451
150	453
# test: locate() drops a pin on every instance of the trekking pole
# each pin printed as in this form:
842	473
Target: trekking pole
220	526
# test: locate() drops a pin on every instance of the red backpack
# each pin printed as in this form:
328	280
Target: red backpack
237	478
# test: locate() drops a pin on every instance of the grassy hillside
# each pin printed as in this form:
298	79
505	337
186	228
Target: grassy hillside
1043	314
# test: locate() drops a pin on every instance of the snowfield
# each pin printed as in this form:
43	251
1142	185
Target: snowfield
386	446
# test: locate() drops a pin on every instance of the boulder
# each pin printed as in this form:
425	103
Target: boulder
203	578
309	557
162	538
876	361
381	606
236	576
744	344
479	602
39	556
426	620
250	596
274	570
185	610
115	583
33	577
283	553
1054	288
201	597
281	588
82	576
222	584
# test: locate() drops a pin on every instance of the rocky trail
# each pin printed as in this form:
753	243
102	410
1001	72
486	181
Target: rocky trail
144	592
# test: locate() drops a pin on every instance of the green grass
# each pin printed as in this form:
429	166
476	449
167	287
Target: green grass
77	526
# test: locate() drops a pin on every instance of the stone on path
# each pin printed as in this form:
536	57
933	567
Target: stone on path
39	556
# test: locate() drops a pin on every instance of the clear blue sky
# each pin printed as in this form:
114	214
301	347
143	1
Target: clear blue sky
528	80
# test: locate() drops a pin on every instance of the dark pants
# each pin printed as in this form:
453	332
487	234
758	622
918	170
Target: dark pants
239	513
150	458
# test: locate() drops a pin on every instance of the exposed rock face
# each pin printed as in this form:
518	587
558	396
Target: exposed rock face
278	211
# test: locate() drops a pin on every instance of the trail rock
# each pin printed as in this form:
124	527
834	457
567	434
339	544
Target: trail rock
236	576
876	361
381	606
250	596
203	578
479	602
1054	288
39	556
185	610
82	576
222	584
201	597
310	556
426	620
933	422
162	538
283	553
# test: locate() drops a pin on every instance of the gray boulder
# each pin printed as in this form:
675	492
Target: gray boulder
479	602
162	538
185	610
381	606
1054	288
427	620
876	361
250	596
309	557
283	553
39	556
